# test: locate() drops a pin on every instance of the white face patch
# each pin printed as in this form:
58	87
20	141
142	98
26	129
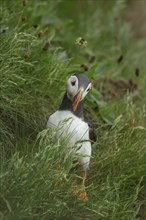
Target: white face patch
86	91
72	86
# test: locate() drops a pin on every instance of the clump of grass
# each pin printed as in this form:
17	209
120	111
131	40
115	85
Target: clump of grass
34	68
27	76
34	181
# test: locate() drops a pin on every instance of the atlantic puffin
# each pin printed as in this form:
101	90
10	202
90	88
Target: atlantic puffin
71	113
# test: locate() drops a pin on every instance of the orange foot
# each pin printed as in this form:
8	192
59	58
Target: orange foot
83	196
80	193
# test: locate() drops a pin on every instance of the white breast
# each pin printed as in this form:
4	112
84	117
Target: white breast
76	130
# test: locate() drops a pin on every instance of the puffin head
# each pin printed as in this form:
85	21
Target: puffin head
78	86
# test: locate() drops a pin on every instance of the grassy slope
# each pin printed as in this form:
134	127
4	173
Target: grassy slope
32	84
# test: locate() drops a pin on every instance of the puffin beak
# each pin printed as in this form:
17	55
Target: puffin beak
77	99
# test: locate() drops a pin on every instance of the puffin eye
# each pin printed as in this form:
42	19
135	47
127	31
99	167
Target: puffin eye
73	83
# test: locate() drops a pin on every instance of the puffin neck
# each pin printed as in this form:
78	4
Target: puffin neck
67	105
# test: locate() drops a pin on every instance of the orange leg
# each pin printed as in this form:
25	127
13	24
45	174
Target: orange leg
84	179
83	194
80	192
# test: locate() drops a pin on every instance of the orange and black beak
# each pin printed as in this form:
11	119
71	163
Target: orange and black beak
77	99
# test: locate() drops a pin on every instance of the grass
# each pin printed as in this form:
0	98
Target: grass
38	53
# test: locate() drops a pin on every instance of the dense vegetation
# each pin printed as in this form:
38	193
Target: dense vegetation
38	53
